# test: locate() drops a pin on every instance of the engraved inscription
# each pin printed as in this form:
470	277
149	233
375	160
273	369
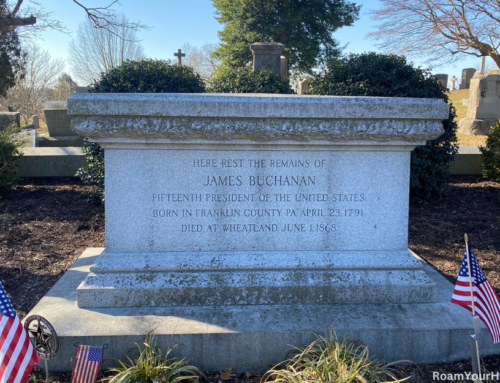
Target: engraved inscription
290	201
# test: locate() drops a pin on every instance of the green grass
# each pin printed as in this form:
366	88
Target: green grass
152	365
456	97
328	359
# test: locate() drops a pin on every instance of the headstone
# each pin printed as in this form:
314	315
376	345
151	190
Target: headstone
483	107
36	121
467	74
256	199
8	118
179	56
267	56
82	89
304	86
284	66
59	126
442	79
453	80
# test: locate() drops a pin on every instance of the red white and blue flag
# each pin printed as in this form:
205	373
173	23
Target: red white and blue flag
87	363
486	302
17	355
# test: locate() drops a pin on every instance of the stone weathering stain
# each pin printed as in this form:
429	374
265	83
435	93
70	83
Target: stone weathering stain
255	199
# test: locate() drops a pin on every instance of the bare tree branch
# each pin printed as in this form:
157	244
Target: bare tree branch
439	29
93	50
31	92
38	19
201	59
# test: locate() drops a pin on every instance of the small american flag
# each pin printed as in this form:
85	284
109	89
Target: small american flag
486	302
17	355
87	363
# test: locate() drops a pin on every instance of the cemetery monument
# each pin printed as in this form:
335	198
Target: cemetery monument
442	79
236	219
467	74
483	107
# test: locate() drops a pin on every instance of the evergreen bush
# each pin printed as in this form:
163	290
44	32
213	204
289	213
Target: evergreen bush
141	76
491	154
378	75
9	157
245	80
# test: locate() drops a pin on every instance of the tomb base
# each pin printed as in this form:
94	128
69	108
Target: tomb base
249	338
255	278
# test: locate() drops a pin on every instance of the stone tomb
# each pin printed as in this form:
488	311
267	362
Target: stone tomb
255	199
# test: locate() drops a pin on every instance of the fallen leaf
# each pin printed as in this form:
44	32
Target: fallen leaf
227	374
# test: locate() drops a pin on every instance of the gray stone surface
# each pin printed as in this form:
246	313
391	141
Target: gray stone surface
467	74
57	119
468	160
60	141
304	87
264	106
36	121
442	79
267	56
249	338
252	199
7	118
284	66
82	89
483	107
51	162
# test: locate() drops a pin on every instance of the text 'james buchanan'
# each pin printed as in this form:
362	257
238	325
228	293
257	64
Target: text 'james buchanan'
261	181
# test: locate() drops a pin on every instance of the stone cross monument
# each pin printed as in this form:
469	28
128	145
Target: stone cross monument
453	79
179	56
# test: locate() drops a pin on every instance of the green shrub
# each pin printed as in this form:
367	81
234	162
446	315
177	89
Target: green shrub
377	75
327	359
9	157
149	76
92	172
152	366
245	80
491	154
142	76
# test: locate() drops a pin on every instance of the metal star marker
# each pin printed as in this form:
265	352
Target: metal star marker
41	338
42	335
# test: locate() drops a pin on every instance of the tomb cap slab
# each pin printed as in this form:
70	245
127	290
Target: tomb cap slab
257	118
255	106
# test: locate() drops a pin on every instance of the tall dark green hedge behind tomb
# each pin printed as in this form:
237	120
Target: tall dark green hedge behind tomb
378	75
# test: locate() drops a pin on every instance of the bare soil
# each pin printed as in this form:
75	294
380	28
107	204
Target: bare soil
45	226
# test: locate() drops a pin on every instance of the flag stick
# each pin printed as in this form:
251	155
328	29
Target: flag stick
476	361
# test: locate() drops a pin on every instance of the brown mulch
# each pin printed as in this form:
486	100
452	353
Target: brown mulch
436	229
45	226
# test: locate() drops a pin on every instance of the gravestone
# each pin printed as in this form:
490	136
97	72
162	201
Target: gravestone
467	74
82	89
255	199
267	56
59	127
453	80
8	118
442	79
36	121
304	87
483	106
284	66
